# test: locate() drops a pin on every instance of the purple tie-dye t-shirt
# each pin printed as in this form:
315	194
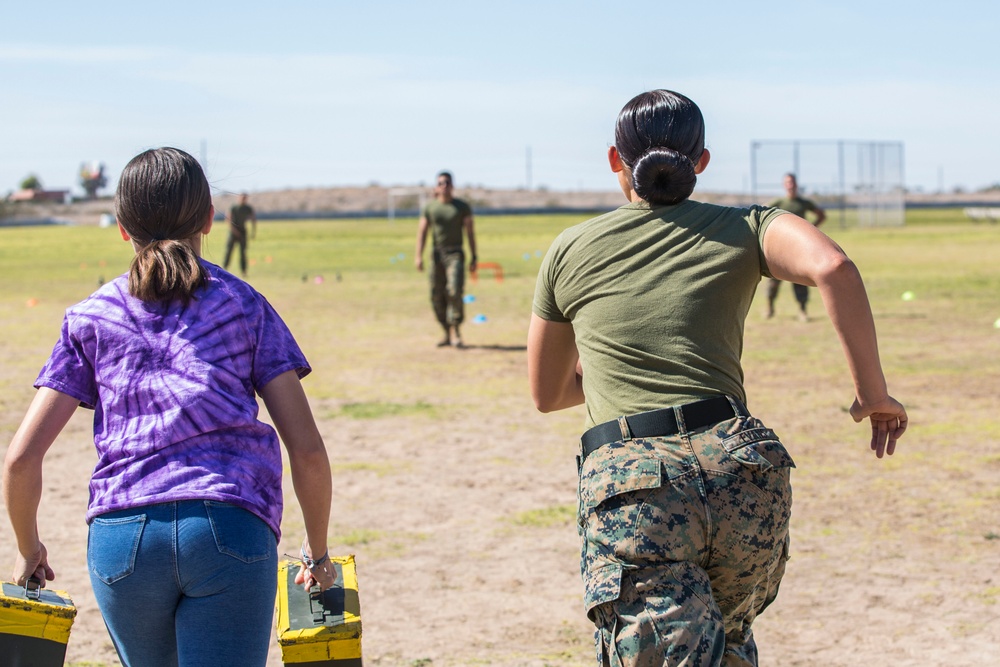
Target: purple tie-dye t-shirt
173	392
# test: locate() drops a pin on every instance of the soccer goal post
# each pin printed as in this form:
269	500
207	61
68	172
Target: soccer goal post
405	199
859	182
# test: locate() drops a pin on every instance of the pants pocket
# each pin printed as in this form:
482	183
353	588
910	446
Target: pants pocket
239	533
758	447
611	495
757	456
112	545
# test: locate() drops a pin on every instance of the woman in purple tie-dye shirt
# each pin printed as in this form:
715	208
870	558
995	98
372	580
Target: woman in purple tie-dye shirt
185	499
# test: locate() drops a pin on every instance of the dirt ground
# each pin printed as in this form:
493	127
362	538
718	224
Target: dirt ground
458	503
467	554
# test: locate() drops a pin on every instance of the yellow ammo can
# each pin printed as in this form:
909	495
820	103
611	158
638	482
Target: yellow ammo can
319	629
34	625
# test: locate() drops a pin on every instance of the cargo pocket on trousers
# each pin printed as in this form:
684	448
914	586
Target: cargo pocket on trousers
610	493
240	533
112	545
601	583
617	478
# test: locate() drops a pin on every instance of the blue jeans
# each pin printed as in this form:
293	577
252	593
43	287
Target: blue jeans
185	583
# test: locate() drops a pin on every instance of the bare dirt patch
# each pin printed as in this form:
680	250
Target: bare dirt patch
457	496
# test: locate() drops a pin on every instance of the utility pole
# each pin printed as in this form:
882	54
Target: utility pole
527	166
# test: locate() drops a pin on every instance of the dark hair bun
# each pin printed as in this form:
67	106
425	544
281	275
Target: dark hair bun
662	176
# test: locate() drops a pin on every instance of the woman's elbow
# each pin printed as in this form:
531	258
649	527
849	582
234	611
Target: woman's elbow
546	399
308	452
836	268
545	406
542	402
18	464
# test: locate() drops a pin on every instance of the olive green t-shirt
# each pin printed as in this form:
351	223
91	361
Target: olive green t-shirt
239	214
657	298
796	205
446	221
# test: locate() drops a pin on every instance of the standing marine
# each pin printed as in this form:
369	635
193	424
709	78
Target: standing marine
238	216
449	219
802	207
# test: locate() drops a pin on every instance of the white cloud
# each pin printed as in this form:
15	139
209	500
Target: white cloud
74	56
288	118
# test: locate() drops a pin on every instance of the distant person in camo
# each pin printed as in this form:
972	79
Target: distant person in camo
238	216
449	219
801	207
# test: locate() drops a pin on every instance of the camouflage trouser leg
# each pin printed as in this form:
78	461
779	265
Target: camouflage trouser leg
230	241
801	291
772	288
241	242
801	294
685	542
447	287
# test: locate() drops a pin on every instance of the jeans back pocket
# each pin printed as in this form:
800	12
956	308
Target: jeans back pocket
112	545
240	533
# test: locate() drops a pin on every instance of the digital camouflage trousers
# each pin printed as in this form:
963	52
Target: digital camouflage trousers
447	277
685	540
801	291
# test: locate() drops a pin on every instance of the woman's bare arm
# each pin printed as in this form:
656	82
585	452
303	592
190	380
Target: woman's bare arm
798	252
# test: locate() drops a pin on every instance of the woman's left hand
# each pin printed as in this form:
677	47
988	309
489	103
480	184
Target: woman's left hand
36	565
321	574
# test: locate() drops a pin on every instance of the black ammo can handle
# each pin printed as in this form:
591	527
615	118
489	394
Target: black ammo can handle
33	588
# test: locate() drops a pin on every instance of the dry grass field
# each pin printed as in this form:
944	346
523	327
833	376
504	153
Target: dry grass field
458	497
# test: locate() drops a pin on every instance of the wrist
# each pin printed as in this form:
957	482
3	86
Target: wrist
30	548
29	554
871	398
312	560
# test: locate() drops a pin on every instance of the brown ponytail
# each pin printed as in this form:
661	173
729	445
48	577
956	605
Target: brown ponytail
163	199
164	271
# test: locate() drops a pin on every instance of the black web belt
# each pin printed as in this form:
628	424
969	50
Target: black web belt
659	423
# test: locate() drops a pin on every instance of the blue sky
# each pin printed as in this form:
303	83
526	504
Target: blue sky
338	93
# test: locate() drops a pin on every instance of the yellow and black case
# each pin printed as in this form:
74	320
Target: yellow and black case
34	625
319	629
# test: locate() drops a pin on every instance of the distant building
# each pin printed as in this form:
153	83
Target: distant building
56	196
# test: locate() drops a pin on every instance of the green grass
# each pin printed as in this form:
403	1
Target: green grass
351	328
380	468
545	517
378	409
370	338
379	543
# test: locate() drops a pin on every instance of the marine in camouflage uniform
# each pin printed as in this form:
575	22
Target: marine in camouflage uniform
801	207
684	537
238	217
684	497
449	220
